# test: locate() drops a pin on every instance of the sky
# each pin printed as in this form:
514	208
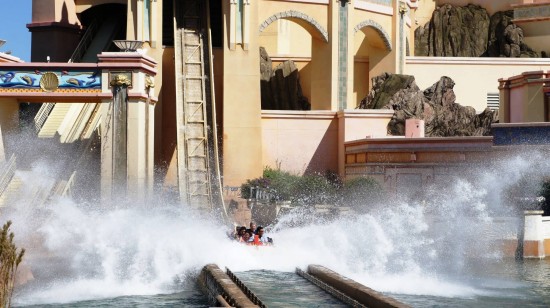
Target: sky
15	15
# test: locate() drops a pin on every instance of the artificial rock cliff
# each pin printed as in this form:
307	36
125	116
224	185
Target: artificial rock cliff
280	87
436	105
469	31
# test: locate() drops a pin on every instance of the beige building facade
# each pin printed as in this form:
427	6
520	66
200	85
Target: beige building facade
337	45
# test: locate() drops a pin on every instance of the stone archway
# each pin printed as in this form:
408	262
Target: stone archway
373	53
376	26
313	70
310	24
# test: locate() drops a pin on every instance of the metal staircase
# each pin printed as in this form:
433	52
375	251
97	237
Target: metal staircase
198	168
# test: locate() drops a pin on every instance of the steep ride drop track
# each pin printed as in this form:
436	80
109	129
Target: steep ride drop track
198	163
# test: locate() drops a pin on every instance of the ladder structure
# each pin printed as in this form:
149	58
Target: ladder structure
198	168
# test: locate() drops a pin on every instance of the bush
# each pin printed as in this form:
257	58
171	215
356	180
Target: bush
10	260
279	183
314	189
362	190
282	185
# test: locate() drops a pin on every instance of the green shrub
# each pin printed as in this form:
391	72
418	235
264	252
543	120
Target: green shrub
314	189
10	259
279	183
362	190
282	185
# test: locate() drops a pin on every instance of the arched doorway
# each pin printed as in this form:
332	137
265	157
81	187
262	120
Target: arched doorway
295	36
372	47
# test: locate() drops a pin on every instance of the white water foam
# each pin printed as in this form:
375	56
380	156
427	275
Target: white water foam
82	252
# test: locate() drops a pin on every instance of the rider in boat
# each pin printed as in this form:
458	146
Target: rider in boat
260	238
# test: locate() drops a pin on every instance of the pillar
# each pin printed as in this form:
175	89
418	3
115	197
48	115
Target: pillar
504	101
533	235
120	122
127	149
9	122
242	126
2	152
106	151
402	11
138	152
343	52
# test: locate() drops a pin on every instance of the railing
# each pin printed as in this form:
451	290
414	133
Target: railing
245	289
7	174
42	115
85	42
259	193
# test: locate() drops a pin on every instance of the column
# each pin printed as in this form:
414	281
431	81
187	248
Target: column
232	24
242	127
106	151
120	122
137	176
9	122
343	20
324	65
533	235
402	10
2	152
504	101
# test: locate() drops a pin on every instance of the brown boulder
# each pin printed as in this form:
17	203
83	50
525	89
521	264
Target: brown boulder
280	87
436	105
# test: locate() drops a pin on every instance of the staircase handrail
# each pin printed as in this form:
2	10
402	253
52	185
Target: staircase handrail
46	108
84	42
42	116
7	174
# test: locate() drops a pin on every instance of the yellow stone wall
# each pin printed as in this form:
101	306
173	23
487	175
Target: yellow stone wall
236	72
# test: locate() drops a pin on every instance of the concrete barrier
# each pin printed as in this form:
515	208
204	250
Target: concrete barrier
360	293
221	290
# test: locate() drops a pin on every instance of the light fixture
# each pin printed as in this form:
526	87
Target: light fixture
128	45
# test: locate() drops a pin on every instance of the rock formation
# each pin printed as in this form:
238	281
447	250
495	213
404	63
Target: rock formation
506	39
469	32
280	87
435	105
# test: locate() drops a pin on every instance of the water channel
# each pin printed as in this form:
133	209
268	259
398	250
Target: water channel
438	253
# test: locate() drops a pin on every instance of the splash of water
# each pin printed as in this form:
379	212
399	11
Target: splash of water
80	252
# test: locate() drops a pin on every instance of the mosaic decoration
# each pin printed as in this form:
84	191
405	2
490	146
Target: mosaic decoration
50	81
343	55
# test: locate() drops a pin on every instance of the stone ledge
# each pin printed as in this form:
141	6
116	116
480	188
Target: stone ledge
353	289
215	283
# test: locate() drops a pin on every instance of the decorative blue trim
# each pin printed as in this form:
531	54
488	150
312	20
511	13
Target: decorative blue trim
343	55
67	80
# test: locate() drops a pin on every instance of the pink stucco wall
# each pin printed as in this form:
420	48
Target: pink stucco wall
300	141
313	141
